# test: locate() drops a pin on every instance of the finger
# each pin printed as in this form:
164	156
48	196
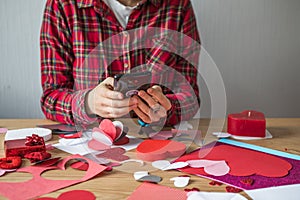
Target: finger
110	112
113	103
145	118
146	110
161	112
148	99
106	89
156	93
108	93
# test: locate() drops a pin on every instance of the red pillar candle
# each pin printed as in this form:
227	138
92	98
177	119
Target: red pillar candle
248	123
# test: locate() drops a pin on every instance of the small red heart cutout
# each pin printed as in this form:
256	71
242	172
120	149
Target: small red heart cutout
151	150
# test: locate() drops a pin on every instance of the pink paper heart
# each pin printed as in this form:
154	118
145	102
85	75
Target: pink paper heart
98	146
109	133
100	136
215	168
114	154
161	135
107	127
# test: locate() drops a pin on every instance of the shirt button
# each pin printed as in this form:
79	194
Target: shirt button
126	65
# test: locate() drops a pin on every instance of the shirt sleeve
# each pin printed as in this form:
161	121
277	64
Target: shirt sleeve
186	103
59	101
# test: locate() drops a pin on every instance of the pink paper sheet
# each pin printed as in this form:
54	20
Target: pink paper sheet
39	186
149	191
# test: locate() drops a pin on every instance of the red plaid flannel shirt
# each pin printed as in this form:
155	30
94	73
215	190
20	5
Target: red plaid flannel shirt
72	29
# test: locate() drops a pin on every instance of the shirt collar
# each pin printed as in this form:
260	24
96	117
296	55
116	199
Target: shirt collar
89	3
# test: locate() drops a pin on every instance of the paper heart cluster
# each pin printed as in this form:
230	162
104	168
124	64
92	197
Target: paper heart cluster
215	168
107	134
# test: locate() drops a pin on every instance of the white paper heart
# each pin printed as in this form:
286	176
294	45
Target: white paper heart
176	165
215	168
119	125
161	164
140	174
180	181
2	172
101	137
166	165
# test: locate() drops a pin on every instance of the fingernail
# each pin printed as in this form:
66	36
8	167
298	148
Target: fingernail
141	93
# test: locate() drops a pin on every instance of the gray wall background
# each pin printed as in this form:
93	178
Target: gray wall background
254	43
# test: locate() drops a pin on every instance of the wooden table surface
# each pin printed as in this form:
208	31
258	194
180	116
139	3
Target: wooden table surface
119	183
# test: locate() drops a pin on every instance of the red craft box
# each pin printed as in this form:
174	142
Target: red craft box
18	148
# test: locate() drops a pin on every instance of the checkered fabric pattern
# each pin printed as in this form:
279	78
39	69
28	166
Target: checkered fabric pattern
73	29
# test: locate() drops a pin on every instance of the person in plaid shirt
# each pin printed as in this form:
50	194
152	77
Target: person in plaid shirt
72	29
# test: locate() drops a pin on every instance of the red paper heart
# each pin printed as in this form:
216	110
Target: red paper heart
247	123
107	127
71	195
242	162
151	150
122	141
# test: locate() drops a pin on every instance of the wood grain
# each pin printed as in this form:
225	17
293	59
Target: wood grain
120	184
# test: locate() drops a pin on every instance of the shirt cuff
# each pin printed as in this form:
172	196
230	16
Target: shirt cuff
81	119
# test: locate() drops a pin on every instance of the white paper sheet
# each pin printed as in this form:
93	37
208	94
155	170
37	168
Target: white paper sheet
214	196
227	135
290	192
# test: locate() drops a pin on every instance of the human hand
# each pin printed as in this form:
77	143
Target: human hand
152	105
107	103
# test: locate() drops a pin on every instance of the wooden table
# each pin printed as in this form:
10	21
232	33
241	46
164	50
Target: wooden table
119	184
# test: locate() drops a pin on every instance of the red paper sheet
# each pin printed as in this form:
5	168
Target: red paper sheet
242	162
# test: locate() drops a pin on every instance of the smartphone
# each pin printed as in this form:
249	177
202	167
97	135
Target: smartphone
129	84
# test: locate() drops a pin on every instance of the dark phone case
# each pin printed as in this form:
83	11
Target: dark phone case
133	81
